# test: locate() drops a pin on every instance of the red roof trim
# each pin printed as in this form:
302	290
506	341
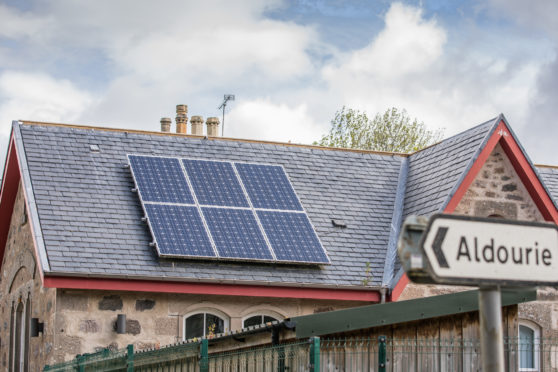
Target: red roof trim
475	169
399	287
530	179
210	289
526	173
10	183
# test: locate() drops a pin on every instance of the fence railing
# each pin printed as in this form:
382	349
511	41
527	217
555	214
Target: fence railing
380	354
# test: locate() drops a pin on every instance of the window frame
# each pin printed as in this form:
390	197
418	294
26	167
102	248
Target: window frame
272	314
219	314
536	345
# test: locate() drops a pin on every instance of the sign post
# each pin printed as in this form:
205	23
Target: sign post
483	252
490	314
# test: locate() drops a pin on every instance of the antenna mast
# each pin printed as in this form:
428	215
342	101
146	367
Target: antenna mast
227	98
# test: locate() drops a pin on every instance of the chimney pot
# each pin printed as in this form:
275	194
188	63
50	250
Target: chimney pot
165	124
197	125
181	118
181	109
212	127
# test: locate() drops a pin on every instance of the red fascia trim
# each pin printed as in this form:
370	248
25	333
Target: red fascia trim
10	183
399	287
475	168
210	289
529	178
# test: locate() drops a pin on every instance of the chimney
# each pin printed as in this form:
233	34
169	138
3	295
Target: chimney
165	124
181	118
197	125
212	127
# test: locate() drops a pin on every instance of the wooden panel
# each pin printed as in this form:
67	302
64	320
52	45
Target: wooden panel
428	335
451	335
471	342
511	329
404	348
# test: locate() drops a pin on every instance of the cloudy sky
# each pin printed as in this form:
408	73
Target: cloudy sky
291	64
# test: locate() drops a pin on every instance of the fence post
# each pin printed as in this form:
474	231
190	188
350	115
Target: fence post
204	356
315	354
130	358
382	354
80	358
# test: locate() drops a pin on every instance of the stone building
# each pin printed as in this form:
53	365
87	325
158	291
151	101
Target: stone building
77	251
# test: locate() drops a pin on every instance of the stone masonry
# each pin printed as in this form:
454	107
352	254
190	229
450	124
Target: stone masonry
21	280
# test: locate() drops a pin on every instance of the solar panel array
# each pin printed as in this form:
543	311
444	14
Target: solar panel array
224	210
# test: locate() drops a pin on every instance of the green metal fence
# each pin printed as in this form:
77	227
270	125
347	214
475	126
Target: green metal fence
380	354
284	357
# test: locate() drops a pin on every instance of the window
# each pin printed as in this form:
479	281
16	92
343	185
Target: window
257	320
204	324
18	349
528	346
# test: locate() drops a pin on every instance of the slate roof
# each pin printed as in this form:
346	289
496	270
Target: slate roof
436	171
91	221
549	175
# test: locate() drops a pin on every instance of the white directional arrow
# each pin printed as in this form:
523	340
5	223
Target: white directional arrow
467	250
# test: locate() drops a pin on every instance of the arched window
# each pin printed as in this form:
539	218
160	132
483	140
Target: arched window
257	319
26	331
205	323
12	338
19	338
529	346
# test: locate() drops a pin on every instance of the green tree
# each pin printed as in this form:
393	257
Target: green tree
393	131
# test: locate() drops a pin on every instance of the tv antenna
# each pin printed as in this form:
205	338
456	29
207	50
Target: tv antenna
227	98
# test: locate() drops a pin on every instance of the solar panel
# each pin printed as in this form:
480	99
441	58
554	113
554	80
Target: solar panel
224	210
268	187
179	230
292	237
215	183
160	179
236	233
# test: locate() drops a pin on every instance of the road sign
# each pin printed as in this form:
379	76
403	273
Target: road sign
486	251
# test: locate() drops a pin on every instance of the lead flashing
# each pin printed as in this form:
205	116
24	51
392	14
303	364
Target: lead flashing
30	197
396	221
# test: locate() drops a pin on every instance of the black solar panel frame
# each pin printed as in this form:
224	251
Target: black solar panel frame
252	208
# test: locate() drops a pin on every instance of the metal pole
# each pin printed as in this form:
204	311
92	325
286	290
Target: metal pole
490	314
382	354
315	354
223	126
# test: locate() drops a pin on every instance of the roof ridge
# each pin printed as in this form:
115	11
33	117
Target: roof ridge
546	166
231	139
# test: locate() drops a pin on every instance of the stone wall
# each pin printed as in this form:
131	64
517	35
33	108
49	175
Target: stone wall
20	280
498	191
85	320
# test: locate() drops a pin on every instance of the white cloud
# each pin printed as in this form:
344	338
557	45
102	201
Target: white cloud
218	55
18	24
407	44
157	55
264	120
39	97
409	65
